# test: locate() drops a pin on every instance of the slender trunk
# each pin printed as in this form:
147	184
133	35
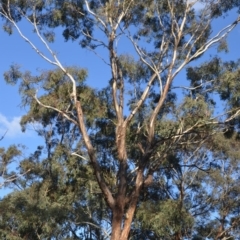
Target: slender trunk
121	228
118	210
132	206
117	223
121	222
120	232
128	221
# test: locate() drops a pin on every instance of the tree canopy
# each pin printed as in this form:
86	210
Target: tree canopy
145	157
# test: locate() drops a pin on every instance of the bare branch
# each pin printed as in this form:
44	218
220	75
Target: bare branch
123	13
55	109
78	155
95	15
220	35
29	42
13	178
142	99
2	137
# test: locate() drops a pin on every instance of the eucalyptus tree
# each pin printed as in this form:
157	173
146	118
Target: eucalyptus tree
130	138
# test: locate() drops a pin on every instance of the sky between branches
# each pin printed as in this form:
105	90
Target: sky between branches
15	50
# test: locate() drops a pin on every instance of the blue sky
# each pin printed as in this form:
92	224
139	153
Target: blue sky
15	50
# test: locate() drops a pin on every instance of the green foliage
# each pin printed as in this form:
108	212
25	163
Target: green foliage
8	157
137	143
165	218
57	198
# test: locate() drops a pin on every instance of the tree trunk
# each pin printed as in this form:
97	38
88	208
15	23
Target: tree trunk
177	236
121	228
128	222
117	223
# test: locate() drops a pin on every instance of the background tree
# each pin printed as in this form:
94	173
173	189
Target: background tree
59	197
